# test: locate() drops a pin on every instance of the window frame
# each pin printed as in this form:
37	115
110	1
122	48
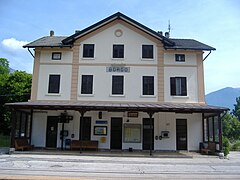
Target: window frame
147	58
143	86
92	86
56	53
59	84
88	57
183	88
123	86
118	45
181	56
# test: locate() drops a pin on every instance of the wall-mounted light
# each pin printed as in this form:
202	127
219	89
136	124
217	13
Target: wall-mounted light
100	115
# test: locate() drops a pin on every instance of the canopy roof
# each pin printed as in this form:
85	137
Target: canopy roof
118	106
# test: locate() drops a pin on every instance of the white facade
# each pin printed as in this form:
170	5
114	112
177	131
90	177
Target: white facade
70	71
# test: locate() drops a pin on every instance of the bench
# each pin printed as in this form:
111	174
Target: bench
84	144
21	144
208	148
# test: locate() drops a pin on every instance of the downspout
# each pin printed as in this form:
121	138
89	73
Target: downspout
207	55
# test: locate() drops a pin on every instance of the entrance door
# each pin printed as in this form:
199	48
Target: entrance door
85	128
148	133
51	136
181	132
116	133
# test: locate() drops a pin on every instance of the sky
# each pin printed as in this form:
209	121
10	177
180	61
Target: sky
213	22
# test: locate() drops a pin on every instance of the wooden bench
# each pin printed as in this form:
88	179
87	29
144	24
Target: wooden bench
210	149
84	144
21	144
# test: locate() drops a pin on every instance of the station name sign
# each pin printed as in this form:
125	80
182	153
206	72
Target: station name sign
121	69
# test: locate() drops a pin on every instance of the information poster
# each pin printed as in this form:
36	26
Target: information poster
132	133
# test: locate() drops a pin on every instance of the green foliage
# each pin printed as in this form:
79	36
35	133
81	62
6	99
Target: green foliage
14	87
231	127
226	146
4	66
236	146
236	110
4	141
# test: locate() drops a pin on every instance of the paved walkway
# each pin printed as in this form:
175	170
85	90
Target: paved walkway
82	166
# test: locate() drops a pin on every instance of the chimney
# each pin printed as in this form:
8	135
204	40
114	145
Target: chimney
167	35
160	32
51	33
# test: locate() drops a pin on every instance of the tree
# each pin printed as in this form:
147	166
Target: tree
231	127
236	110
14	87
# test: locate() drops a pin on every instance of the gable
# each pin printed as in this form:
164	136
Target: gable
118	17
118	31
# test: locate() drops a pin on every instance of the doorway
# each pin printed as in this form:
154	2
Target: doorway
85	129
52	129
181	134
116	133
148	133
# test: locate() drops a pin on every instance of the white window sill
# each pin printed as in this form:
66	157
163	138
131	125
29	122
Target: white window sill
147	59
86	95
148	96
118	59
90	58
53	94
180	97
117	95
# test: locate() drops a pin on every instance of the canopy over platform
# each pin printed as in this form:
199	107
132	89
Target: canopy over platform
117	106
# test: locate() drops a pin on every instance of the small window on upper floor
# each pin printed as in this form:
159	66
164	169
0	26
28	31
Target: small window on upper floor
147	51
88	50
180	57
118	51
56	56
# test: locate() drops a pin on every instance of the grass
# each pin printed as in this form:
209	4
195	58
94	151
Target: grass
4	141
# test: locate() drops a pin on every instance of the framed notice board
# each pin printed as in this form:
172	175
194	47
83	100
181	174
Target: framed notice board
132	133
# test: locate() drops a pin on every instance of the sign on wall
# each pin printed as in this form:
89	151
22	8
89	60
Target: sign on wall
118	69
132	133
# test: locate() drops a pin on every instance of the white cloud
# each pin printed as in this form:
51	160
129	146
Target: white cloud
13	44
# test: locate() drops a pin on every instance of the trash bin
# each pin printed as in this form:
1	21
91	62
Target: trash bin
67	143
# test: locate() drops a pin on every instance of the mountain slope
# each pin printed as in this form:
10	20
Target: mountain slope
225	97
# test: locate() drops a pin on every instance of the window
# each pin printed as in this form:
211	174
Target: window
147	51
118	51
23	123
210	126
88	50
178	86
148	85
179	57
117	85
56	56
211	129
54	84
87	84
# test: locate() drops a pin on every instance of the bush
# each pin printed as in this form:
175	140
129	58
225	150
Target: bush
236	146
226	146
4	141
